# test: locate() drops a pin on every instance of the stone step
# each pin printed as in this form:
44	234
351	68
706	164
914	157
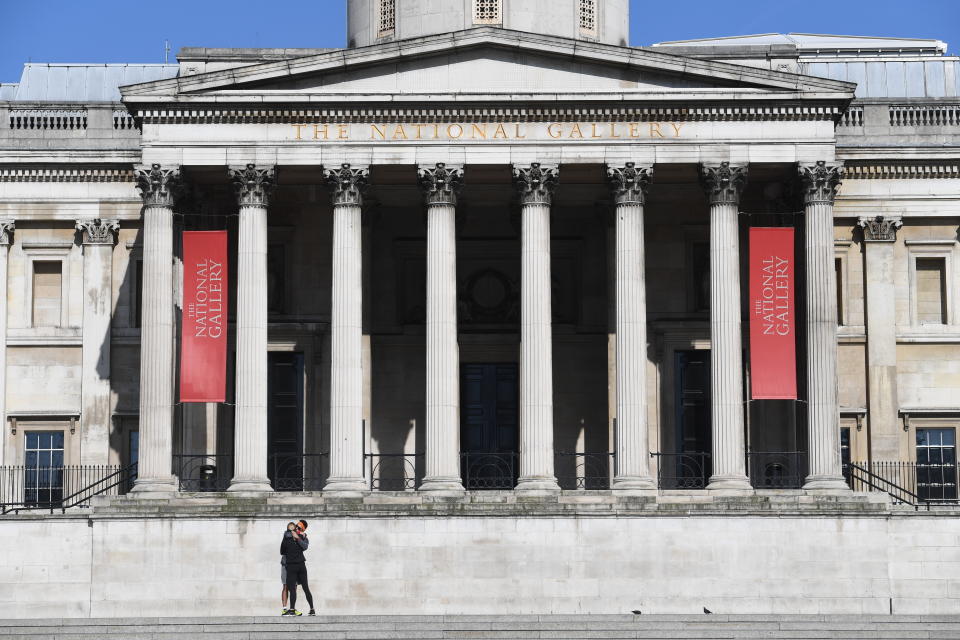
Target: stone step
505	627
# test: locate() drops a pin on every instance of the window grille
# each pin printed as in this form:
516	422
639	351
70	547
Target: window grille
388	17
588	16
487	11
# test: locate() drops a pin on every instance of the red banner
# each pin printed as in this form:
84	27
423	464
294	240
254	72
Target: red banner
773	341
203	357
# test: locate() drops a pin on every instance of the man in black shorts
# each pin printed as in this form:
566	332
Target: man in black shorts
294	543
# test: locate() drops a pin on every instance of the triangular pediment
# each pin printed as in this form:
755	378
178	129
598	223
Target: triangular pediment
486	62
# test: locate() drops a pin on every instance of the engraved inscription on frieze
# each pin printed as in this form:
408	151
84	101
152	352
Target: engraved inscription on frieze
490	131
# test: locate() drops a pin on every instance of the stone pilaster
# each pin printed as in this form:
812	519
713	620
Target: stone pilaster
820	183
723	184
98	240
629	185
346	328
535	184
440	185
252	187
158	187
6	239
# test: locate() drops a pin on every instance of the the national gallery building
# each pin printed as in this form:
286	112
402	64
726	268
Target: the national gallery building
490	261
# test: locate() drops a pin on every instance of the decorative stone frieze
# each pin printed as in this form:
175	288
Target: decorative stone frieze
98	230
724	182
535	184
347	183
820	181
880	228
158	186
629	184
66	174
440	183
252	185
6	231
928	169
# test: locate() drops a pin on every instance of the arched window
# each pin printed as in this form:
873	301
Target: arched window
588	17
487	12
388	18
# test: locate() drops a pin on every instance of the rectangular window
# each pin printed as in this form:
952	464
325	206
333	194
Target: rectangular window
47	293
388	17
931	291
43	467
487	12
588	17
937	464
838	267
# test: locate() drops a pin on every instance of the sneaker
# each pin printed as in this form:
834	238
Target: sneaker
283	611
293	612
312	613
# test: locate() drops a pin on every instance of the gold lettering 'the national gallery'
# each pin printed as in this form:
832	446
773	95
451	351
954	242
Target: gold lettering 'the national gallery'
492	131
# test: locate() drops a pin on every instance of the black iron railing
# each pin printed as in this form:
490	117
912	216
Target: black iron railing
907	482
580	470
27	487
689	470
392	471
203	472
491	470
777	469
298	471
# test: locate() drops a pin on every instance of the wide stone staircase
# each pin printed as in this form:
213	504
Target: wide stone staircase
501	627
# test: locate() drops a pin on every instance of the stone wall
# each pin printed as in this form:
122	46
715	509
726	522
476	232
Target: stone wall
207	565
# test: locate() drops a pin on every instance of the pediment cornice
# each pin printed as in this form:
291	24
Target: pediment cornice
730	78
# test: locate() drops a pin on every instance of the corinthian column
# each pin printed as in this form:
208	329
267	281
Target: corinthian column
440	186
6	238
629	186
724	184
252	187
346	327
535	184
98	240
820	183
157	187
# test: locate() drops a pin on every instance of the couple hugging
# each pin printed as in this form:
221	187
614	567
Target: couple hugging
293	567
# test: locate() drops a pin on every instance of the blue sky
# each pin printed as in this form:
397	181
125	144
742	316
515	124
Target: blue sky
114	31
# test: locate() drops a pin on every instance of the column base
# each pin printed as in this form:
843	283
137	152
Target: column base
351	486
633	483
827	484
252	485
445	484
734	485
147	486
538	484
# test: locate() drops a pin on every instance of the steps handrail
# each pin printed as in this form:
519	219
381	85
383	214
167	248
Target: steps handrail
892	489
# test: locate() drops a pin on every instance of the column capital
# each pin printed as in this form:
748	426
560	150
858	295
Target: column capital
348	183
880	228
252	185
7	226
98	230
536	182
158	186
440	183
724	182
628	183
820	181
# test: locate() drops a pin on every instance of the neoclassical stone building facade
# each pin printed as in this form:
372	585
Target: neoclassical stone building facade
486	254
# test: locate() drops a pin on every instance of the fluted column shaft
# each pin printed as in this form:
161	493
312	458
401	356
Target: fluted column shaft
98	241
724	184
6	239
536	184
346	328
252	187
629	186
158	187
440	185
820	182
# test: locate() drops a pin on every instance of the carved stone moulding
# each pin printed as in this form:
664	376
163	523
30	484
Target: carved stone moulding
880	228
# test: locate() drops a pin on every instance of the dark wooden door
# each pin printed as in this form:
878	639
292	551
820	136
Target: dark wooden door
285	420
692	402
489	425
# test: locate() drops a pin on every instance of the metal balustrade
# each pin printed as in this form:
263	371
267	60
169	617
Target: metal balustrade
689	470
298	471
203	472
777	469
584	470
489	470
24	487
392	471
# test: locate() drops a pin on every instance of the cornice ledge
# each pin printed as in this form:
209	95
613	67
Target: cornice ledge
887	170
65	174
